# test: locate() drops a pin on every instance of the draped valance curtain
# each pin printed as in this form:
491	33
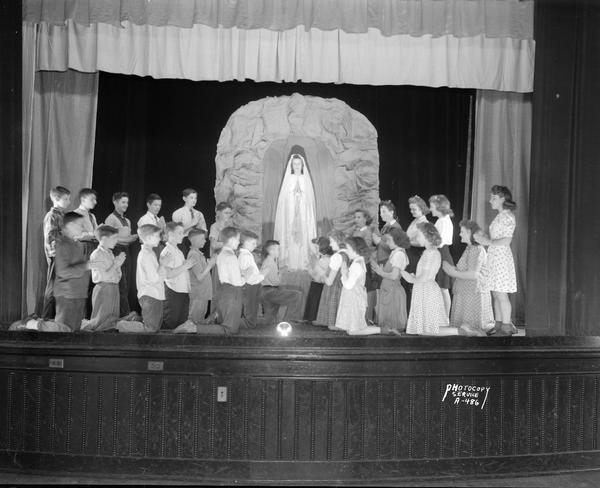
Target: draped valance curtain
483	44
459	18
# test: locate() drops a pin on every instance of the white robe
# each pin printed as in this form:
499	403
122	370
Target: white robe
295	220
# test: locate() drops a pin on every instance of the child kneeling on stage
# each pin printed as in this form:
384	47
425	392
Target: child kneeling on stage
72	273
177	281
106	273
201	289
150	281
273	295
251	276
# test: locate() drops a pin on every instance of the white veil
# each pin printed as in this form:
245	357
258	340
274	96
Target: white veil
295	217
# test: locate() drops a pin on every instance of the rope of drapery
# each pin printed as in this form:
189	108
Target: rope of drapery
460	18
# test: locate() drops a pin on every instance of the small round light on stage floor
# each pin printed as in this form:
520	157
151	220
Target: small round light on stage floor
284	329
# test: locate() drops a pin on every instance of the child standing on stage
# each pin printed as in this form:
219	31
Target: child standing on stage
440	208
353	299
427	310
272	294
188	216
223	213
106	273
118	220
154	204
500	267
318	273
177	281
251	276
53	222
150	283
88	198
72	273
391	297
332	288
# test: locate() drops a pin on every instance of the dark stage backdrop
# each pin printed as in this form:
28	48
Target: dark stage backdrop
10	160
161	136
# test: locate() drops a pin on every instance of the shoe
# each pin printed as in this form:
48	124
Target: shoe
494	330
506	330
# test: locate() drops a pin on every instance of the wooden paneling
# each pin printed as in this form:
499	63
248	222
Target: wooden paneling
105	404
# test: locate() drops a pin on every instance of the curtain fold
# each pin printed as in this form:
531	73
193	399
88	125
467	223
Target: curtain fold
61	133
10	160
502	157
564	268
206	53
459	18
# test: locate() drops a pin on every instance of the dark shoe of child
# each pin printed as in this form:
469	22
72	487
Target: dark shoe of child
505	330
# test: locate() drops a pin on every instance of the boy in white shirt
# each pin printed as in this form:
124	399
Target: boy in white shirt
106	274
150	283
252	277
177	281
188	216
272	294
229	304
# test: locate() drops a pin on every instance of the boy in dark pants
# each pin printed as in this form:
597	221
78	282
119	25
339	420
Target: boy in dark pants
177	282
72	274
251	276
118	220
229	304
53	222
273	295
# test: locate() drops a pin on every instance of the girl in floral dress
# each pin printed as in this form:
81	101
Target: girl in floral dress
471	310
427	311
500	267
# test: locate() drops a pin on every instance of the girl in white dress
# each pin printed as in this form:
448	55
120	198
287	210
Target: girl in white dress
427	311
353	299
500	266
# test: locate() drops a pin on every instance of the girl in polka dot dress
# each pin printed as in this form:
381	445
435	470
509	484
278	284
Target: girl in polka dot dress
500	266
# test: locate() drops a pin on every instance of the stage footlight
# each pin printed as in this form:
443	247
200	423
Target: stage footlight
284	329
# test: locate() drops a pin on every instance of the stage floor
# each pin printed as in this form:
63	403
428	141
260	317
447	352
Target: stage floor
320	332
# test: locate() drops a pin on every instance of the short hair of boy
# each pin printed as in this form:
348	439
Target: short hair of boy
71	217
222	206
152	197
196	232
188	191
105	231
58	192
86	192
268	245
171	226
120	194
146	230
229	232
247	235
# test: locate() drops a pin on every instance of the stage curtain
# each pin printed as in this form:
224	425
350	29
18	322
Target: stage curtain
563	278
10	160
460	18
60	135
502	157
207	53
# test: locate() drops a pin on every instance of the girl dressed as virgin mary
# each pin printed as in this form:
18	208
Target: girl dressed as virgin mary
295	218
